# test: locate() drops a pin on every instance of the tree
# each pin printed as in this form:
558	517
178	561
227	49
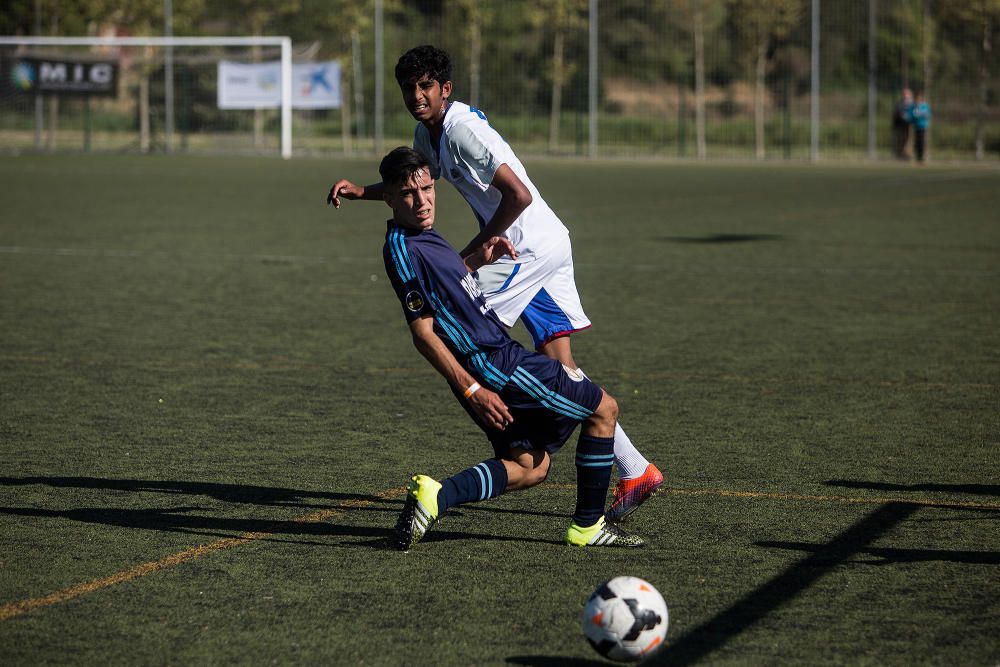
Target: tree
336	27
699	17
760	23
903	34
983	16
563	17
256	18
146	18
473	15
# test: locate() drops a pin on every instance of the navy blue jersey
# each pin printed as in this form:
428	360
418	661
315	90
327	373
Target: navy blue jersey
430	278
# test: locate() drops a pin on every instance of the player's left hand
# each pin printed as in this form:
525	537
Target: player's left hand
492	249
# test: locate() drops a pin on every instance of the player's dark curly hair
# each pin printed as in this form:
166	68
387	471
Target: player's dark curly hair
423	60
400	165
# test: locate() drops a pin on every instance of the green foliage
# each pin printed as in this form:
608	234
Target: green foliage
645	46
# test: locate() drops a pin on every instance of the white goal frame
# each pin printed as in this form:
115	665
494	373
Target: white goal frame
284	42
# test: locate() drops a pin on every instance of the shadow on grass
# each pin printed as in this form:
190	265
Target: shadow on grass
711	635
893	556
725	238
182	520
551	661
505	510
229	493
843	549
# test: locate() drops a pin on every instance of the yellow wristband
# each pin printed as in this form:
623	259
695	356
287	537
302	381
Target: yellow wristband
473	388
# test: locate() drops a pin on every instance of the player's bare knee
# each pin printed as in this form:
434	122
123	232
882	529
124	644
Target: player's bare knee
527	469
606	415
537	471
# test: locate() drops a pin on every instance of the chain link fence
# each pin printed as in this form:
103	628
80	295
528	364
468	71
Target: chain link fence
689	79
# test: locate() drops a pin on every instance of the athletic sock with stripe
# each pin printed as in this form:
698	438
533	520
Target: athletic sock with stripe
480	482
594	457
631	462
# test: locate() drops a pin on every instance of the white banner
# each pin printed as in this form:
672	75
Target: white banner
258	85
316	85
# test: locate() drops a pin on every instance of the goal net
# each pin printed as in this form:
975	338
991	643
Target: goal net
209	94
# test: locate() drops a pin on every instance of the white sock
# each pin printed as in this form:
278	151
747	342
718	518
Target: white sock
631	463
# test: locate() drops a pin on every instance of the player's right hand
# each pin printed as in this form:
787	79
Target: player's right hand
344	188
489	406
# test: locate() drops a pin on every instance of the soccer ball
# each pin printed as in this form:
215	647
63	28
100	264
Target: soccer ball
625	619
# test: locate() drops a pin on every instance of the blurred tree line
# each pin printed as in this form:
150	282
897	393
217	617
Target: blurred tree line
532	54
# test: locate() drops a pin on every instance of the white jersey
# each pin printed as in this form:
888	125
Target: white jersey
468	156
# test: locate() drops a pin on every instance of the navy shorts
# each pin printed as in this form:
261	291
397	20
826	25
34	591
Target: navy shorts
546	403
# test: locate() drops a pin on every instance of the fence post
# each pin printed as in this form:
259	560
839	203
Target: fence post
592	78
359	87
872	75
286	97
379	74
814	97
168	78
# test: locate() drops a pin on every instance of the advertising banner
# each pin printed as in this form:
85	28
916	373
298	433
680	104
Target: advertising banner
316	85
65	76
258	85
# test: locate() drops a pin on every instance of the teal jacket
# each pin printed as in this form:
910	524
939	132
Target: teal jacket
921	115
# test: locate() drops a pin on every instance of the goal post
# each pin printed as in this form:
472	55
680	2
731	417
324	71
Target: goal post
282	44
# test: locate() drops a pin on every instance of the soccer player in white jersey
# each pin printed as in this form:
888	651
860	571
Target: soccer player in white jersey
538	286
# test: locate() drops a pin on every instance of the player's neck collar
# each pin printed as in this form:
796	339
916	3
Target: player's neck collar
408	231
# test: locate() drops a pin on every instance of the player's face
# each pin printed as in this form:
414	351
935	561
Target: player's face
412	203
426	99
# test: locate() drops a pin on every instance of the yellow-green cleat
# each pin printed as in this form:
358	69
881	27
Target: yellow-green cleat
601	534
420	511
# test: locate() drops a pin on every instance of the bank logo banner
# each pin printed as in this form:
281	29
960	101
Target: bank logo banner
258	85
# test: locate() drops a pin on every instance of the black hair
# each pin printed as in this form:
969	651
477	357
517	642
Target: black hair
423	61
400	165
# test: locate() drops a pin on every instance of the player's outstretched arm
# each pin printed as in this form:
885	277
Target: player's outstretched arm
493	249
487	404
514	198
348	190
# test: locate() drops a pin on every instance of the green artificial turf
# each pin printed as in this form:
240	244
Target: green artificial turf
196	349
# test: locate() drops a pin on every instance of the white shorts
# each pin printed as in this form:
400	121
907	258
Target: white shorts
540	290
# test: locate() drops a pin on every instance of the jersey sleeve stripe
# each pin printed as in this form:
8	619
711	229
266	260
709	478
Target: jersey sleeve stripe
400	258
489	372
464	344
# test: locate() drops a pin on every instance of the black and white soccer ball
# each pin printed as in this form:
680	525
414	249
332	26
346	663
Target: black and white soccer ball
625	619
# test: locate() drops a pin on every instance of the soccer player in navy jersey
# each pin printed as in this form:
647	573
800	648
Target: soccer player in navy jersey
525	402
538	286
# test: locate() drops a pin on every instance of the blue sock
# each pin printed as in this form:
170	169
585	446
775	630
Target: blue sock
485	480
594	457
